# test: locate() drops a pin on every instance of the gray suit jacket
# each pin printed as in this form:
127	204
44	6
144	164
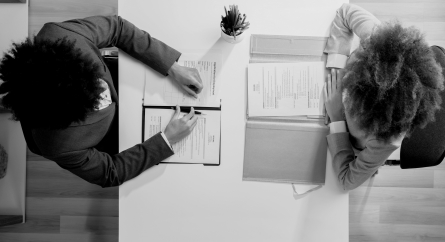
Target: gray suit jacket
76	148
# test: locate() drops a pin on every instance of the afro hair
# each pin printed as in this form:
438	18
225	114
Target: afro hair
50	84
394	84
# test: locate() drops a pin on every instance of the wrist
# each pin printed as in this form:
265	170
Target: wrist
173	69
167	136
166	140
336	119
337	127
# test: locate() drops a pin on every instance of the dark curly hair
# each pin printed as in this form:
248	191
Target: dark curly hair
50	84
395	83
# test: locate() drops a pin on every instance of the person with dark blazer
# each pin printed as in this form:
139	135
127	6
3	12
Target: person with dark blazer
60	89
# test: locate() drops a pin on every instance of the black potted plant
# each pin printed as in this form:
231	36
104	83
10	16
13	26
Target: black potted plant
233	25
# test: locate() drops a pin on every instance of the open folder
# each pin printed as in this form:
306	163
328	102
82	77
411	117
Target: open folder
285	139
161	95
289	150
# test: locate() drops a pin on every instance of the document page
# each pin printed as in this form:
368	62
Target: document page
201	146
163	91
285	89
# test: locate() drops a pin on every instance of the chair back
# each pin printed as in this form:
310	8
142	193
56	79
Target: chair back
110	143
426	147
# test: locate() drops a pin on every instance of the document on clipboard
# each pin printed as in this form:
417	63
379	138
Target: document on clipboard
161	96
200	147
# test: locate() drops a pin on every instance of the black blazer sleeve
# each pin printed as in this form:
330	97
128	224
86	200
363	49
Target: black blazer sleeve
105	170
109	31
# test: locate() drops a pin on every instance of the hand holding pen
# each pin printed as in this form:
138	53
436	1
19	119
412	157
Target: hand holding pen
187	110
188	78
179	128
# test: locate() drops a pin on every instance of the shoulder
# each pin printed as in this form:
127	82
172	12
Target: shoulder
70	29
393	143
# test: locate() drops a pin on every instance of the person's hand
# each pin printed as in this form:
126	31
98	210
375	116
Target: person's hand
333	96
179	128
188	78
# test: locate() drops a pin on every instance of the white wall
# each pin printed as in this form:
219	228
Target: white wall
13	28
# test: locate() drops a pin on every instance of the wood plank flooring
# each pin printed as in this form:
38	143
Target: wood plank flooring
62	207
59	205
399	205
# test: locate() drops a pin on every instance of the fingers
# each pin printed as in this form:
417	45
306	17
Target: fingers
325	91
190	119
198	83
193	121
194	83
329	82
190	115
334	79
177	112
190	91
340	76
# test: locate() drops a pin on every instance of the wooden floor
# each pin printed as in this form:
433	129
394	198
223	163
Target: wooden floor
61	206
396	205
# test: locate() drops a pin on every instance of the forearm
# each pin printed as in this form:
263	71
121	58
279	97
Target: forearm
102	169
349	19
353	171
342	157
140	45
107	31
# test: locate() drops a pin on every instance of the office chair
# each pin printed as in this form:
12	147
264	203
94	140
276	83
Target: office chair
426	147
110	143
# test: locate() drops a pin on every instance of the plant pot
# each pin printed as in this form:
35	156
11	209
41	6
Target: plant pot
231	39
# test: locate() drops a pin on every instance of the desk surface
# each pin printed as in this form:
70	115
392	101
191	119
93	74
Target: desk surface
174	202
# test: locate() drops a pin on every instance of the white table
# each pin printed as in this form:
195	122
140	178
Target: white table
171	202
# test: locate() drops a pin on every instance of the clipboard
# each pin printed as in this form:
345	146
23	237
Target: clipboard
202	146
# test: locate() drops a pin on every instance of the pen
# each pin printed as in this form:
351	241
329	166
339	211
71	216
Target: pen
186	110
195	89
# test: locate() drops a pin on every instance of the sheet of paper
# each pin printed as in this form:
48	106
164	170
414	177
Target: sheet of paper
285	89
201	146
163	91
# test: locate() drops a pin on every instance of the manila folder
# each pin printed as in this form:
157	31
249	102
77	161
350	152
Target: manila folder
285	151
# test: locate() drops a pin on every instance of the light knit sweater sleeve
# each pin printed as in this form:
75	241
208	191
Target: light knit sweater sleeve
353	171
349	19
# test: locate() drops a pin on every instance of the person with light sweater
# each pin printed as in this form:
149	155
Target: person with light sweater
376	95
